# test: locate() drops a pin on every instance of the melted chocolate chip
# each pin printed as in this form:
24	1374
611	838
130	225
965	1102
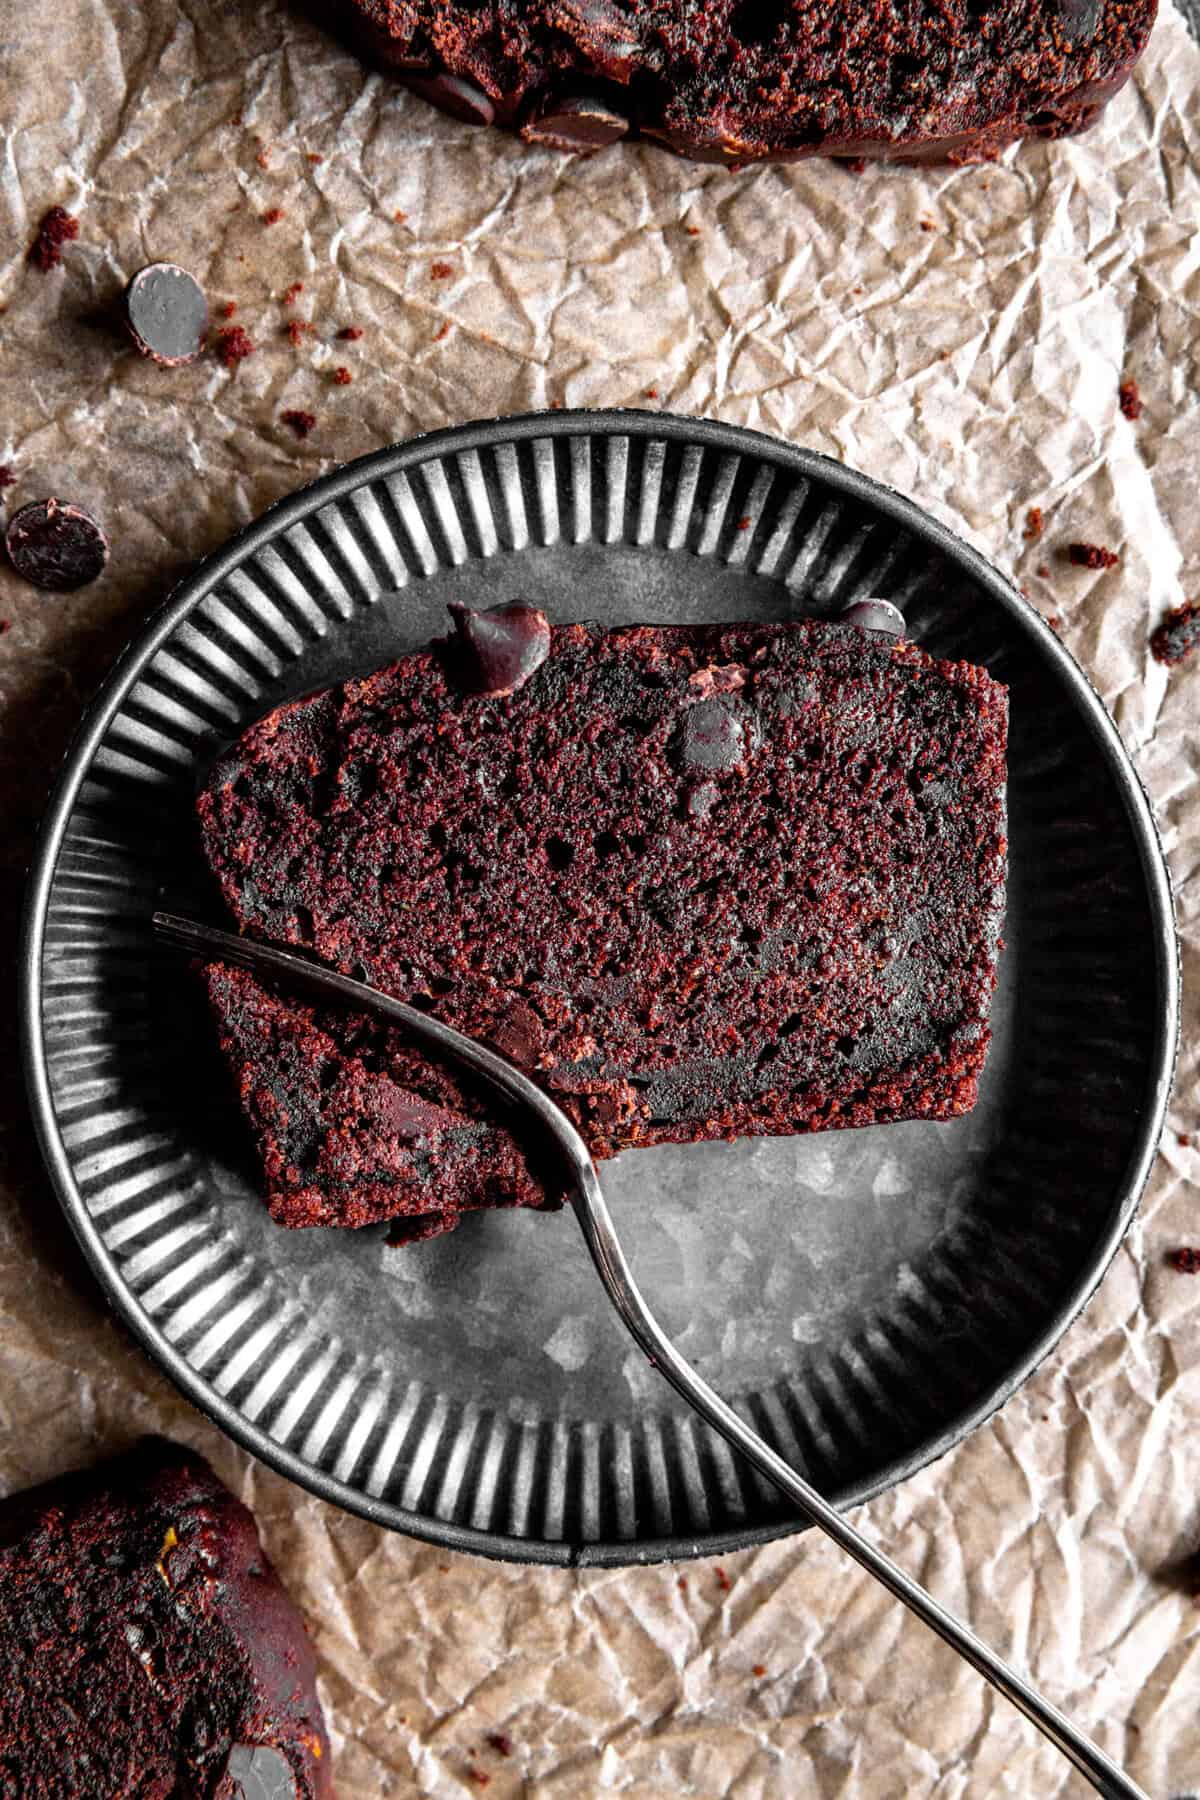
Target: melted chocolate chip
577	123
875	615
55	545
499	649
257	1772
166	314
451	94
714	735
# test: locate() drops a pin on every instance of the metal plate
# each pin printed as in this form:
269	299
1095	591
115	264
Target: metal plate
868	1297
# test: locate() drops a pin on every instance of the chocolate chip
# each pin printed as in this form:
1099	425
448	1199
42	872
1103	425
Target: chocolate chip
576	123
714	735
55	545
875	615
500	648
257	1772
451	94
166	314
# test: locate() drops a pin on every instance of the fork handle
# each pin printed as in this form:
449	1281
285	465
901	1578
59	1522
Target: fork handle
594	1218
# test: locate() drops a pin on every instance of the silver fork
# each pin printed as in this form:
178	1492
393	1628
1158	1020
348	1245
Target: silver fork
600	1234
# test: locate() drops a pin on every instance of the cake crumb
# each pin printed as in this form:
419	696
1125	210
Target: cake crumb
314	156
1092	556
682	1584
1186	1259
854	165
5	625
229	309
441	271
342	376
928	224
263	157
273	215
399	215
652	393
443	331
296	330
234	345
479	1778
1034	524
1177	635
291	294
758	1671
350	334
1130	400
1055	623
57	227
500	1742
1185	1138
744	524
692	230
7	478
300	422
1043	569
723	1581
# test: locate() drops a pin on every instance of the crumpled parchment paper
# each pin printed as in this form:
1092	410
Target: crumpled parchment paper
960	334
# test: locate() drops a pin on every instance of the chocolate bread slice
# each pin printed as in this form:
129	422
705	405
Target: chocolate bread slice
149	1651
354	1125
698	880
742	81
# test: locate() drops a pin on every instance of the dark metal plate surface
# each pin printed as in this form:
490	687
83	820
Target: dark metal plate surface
866	1296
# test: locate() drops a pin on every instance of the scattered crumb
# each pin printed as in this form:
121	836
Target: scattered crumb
234	345
928	224
759	1670
745	524
556	406
263	159
652	393
1130	400
479	1778
856	165
7	478
682	1584
290	294
5	625
350	334
1054	622
1185	1138
58	227
399	215
723	1581
500	1742
1092	556
1178	634
229	308
443	1568
342	376
1035	523
273	215
300	422
441	271
443	331
945	355
1185	1259
692	230
296	330
1043	569
314	156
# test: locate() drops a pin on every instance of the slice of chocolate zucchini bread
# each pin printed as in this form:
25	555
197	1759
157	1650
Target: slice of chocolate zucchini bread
699	881
742	81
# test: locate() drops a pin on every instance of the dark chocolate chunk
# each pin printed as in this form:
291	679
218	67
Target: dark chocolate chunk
875	615
715	735
1178	635
577	123
55	545
166	314
257	1772
500	648
451	94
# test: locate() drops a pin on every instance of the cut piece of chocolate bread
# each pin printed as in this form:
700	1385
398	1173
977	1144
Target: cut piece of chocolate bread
149	1651
354	1125
749	80
697	880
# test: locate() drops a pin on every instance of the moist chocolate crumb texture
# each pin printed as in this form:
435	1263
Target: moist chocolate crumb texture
148	1649
739	81
698	881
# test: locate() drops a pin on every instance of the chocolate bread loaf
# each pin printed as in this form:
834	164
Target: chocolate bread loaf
148	1649
740	81
697	880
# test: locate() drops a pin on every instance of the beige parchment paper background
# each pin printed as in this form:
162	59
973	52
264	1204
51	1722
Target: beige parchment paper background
959	333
